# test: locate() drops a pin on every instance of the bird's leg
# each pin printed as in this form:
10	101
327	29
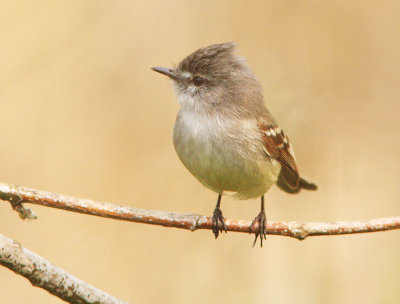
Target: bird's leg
261	220
218	224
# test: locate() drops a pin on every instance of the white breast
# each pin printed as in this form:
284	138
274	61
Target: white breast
224	155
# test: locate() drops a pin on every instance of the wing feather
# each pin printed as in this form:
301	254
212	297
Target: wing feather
277	146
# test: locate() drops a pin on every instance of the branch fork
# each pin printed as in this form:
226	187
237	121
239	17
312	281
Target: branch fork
18	195
43	274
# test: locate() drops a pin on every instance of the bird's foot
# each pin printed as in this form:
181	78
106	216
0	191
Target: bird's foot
218	223
261	220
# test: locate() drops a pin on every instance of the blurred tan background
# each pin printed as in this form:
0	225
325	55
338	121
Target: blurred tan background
83	115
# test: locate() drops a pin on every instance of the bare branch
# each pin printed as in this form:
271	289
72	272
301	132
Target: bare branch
185	220
43	274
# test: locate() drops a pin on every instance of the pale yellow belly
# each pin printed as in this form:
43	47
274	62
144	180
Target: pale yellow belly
223	171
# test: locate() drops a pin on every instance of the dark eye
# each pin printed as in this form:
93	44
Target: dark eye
198	80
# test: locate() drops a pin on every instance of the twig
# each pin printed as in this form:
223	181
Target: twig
187	220
42	273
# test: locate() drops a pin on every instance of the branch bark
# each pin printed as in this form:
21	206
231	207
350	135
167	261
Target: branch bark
42	273
18	195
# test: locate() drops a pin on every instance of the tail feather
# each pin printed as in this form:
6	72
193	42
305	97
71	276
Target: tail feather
307	184
303	184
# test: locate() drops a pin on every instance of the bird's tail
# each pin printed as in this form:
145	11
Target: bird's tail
303	184
307	184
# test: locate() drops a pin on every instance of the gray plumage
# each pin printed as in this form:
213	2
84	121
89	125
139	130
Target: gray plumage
224	135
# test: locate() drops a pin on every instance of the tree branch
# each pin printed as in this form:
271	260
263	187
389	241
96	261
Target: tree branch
42	273
17	195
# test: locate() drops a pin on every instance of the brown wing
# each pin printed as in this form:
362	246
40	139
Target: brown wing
277	146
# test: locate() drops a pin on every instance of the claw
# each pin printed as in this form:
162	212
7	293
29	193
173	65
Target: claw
218	223
261	220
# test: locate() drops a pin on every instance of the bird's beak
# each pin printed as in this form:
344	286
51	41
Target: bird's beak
171	73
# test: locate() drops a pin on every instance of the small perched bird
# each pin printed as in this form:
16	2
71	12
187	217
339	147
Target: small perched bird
225	136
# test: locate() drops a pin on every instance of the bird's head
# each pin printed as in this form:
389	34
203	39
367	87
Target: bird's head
212	76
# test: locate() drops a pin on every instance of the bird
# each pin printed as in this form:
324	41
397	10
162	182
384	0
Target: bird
224	134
